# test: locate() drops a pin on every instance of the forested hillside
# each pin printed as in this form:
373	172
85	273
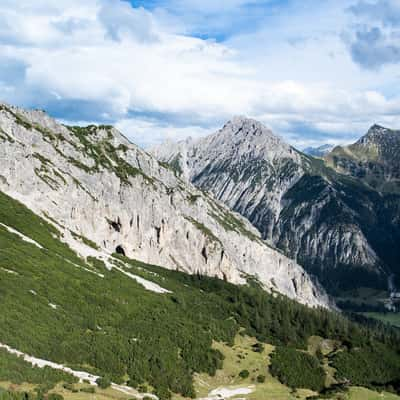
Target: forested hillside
58	307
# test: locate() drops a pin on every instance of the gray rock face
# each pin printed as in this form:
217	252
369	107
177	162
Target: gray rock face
244	165
327	227
324	220
93	183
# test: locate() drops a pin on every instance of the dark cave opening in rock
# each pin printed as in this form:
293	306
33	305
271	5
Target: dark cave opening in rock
158	234
204	254
120	250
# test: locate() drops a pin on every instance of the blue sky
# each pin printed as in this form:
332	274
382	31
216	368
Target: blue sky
314	71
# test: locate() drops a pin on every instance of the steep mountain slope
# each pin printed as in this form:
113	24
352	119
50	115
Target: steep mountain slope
244	165
95	185
149	329
333	225
374	159
341	224
319	151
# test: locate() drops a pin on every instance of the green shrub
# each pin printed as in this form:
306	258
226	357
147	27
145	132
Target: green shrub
68	386
103	382
297	369
258	347
16	370
261	378
88	389
55	396
9	395
244	374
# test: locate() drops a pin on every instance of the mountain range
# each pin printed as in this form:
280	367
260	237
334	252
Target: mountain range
95	184
338	226
210	268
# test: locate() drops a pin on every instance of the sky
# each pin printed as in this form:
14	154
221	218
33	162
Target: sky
313	71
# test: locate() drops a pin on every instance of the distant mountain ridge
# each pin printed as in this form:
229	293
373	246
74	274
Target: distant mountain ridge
318	151
374	159
338	228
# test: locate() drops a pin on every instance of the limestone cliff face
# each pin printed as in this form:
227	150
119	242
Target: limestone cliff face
244	165
326	226
93	183
333	225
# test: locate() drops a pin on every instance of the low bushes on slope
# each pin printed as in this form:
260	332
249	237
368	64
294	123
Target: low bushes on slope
16	370
375	365
297	369
114	327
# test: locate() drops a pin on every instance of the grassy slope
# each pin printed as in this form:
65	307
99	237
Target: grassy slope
357	393
95	318
242	357
114	326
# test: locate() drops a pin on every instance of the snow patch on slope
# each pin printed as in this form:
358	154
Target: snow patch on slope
227	393
81	375
21	235
9	271
153	287
105	256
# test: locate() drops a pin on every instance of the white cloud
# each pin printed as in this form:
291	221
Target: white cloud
121	20
147	133
295	71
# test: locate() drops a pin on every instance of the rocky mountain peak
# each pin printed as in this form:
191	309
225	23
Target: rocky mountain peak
240	123
240	140
374	158
243	137
386	140
244	127
244	164
375	134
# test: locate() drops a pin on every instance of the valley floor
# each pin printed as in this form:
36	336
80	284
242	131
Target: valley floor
389	317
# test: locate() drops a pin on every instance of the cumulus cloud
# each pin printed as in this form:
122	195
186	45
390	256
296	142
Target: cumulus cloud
120	19
385	11
376	37
148	133
106	61
373	48
216	20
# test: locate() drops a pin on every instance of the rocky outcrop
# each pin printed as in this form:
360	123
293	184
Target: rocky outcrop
97	186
